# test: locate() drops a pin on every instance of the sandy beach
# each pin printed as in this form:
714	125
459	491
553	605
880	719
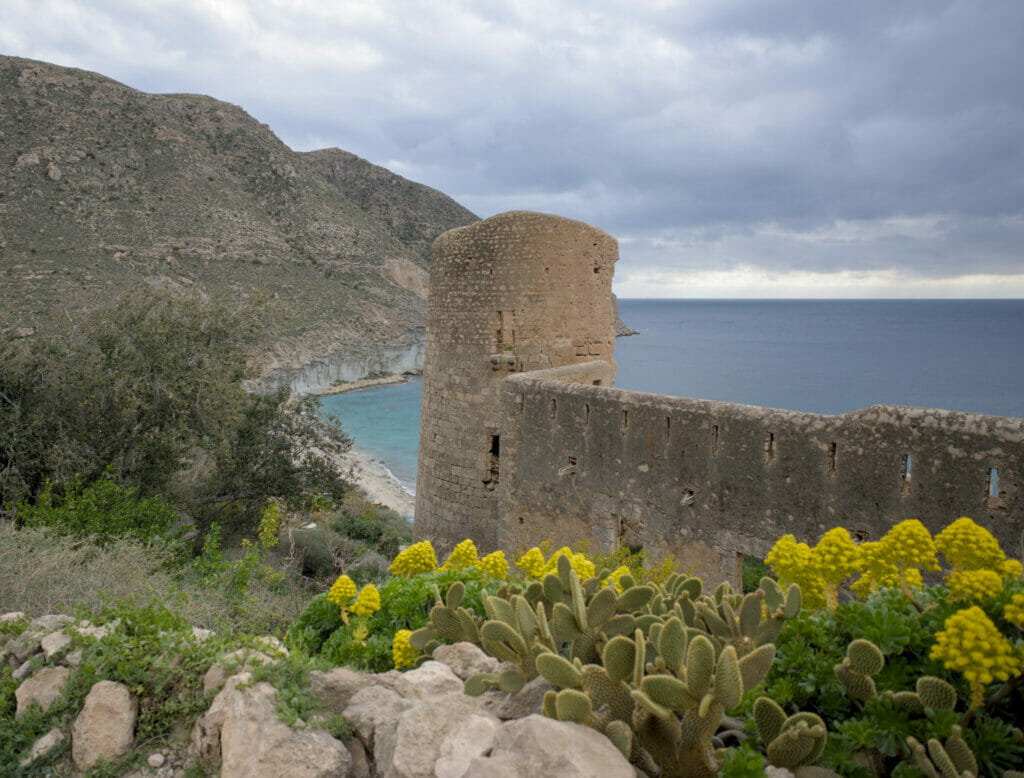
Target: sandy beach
378	484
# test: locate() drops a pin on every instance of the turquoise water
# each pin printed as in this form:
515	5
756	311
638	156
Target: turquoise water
823	356
384	422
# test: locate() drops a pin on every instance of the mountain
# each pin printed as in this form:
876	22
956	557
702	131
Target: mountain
102	186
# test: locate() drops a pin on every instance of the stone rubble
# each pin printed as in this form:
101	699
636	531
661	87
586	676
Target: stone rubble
415	724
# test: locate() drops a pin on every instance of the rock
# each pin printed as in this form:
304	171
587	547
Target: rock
43	746
50	622
255	743
428	680
43	688
54	643
373	709
537	745
239	660
74	659
106	725
199	633
438	736
525	702
53	172
465	659
156	761
273	646
86	629
23	672
12	616
23	646
360	762
333	689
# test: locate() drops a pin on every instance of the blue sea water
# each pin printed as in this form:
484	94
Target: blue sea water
824	356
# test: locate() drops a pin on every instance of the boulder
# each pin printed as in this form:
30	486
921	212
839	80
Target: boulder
333	689
466	659
242	729
106	725
372	710
53	644
525	702
435	737
43	746
42	688
430	679
538	745
50	622
239	660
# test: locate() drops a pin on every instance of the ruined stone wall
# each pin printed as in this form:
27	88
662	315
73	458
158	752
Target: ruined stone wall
709	481
517	292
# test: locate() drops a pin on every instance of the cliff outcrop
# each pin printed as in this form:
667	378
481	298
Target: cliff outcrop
102	186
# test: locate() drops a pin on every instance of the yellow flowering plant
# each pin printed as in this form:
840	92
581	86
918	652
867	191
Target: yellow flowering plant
969	643
418	558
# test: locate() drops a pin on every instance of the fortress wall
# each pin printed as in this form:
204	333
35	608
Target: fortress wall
519	291
709	481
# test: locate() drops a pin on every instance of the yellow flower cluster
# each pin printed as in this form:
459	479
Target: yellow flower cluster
368	601
1014	611
463	555
909	545
584	567
877	570
402	653
615	575
418	558
971	585
970	643
532	563
342	590
967	546
794	563
495	565
1012	568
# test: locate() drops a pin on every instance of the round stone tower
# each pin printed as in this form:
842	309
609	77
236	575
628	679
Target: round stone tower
516	292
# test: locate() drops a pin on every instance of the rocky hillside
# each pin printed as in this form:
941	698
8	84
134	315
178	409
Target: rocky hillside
103	186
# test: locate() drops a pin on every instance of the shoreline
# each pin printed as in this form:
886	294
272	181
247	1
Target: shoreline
377	482
363	383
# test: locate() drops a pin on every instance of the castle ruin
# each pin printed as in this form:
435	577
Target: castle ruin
524	439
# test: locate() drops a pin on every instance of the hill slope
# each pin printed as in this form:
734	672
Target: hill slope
102	185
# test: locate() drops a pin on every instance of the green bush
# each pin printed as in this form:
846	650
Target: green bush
102	512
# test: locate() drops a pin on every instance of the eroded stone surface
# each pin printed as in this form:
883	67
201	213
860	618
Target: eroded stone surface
42	688
106	725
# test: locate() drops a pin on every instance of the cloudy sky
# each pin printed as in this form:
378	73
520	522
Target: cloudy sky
759	148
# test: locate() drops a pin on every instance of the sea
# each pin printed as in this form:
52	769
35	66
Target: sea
823	356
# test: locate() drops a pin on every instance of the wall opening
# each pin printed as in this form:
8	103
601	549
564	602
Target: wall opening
493	454
586	414
769	447
625	420
714	440
597	382
908	466
630	533
832	458
554	408
993	482
522	403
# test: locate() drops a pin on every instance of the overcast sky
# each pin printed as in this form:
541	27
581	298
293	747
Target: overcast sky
768	148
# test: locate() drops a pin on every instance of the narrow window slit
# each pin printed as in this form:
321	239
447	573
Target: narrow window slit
554	408
586	414
714	439
668	428
769	447
993	482
832	458
625	420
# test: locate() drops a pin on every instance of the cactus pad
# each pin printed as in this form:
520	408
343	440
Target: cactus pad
700	663
865	657
668	691
936	693
859	687
558	671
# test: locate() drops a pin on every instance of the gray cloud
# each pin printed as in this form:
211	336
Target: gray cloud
792	135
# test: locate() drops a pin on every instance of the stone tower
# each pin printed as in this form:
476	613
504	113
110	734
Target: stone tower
516	292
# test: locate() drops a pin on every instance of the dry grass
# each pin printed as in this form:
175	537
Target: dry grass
41	573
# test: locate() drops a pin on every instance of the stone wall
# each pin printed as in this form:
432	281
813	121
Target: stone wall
710	481
520	291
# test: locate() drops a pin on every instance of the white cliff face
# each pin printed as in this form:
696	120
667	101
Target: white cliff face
351	365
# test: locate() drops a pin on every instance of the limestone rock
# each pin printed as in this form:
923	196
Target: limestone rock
106	725
360	762
54	643
525	702
429	680
239	660
50	622
333	689
372	710
466	659
43	746
86	629
42	688
438	736
11	616
23	646
538	745
255	743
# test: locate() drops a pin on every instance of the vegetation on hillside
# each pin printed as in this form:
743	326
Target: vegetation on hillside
147	391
